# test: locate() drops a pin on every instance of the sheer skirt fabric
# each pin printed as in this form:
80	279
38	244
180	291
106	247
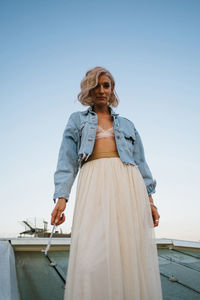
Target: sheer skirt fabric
113	255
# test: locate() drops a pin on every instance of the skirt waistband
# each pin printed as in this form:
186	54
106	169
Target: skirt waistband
102	155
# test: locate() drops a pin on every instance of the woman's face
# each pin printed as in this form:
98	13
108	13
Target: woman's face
102	92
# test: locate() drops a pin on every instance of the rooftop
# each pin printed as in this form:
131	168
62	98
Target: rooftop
26	268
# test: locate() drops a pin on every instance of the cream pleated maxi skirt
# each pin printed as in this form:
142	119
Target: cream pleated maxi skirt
113	254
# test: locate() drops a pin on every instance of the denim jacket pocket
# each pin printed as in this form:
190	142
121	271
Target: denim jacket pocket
129	139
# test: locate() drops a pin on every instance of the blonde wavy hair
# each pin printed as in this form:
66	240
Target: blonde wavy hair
90	81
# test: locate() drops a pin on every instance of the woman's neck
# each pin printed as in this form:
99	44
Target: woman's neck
103	110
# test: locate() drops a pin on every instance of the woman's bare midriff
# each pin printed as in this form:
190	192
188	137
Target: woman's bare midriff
104	145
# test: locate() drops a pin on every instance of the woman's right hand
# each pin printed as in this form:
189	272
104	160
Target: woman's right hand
57	215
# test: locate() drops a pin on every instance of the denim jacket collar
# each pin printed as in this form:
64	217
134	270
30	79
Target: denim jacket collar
90	110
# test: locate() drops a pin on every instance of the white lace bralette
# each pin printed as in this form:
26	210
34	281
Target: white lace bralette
101	133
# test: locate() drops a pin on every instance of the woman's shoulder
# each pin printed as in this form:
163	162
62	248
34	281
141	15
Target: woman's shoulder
76	118
126	121
77	114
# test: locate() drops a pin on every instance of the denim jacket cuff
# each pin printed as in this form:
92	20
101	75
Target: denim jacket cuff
54	199
151	188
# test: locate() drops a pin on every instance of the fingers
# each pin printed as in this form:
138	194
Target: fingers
61	220
156	223
155	216
57	216
53	216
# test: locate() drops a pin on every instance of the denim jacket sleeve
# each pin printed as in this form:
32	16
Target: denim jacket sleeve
67	166
140	160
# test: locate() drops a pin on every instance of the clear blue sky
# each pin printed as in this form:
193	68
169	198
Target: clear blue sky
152	49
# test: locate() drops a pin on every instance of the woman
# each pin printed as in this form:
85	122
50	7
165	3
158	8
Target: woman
113	253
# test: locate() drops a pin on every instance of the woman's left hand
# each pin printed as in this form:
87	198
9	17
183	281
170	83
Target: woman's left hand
155	215
154	212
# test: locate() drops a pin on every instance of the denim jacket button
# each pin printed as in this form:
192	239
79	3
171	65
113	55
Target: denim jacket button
92	128
118	136
90	140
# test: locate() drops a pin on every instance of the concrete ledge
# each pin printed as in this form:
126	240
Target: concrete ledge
61	244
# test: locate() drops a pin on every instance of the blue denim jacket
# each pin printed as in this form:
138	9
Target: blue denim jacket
78	142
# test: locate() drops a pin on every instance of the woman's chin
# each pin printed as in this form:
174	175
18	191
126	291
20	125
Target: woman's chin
100	102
